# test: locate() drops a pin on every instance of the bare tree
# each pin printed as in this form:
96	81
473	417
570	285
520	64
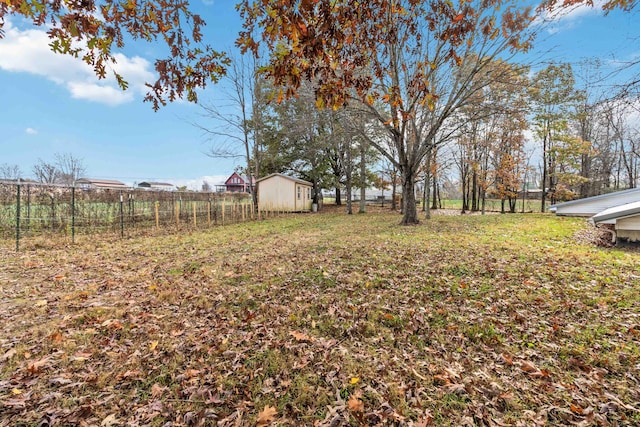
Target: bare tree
9	171
70	168
45	172
236	133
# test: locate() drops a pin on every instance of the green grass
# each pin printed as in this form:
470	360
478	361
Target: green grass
503	319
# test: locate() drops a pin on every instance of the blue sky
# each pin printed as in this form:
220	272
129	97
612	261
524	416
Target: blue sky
54	104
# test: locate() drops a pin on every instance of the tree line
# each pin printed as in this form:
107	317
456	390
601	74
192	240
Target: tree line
331	82
65	169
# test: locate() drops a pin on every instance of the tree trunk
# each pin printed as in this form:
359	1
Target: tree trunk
338	196
363	178
409	211
435	197
348	172
394	192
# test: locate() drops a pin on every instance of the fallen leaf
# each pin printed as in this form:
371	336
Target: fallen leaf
355	404
528	367
266	416
354	380
153	345
575	408
507	359
157	390
109	421
36	367
8	355
299	336
56	337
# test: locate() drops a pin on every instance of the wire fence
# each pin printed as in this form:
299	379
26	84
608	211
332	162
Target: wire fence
33	210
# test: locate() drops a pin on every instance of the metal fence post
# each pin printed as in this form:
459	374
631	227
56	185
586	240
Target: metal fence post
18	218
121	216
28	207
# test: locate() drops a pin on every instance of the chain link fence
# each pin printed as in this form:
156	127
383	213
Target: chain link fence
31	210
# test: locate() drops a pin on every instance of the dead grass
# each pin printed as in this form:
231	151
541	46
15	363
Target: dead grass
328	319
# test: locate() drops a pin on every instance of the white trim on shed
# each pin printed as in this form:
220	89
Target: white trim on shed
590	206
626	219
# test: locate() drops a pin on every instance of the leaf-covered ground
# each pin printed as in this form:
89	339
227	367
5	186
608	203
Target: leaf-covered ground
325	320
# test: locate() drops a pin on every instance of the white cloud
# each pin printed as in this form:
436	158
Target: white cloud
562	19
31	131
28	51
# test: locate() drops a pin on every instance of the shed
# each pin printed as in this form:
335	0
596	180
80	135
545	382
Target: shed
590	206
284	193
626	219
156	185
100	183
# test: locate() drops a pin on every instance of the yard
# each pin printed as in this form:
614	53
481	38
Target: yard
325	320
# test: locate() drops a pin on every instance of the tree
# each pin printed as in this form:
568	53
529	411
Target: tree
552	94
45	172
65	169
10	172
94	30
236	132
70	168
410	64
206	187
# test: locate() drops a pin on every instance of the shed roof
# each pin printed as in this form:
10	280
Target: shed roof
164	184
298	180
594	198
106	183
617	212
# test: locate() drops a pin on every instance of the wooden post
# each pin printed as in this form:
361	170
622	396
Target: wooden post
18	218
195	222
177	215
224	208
209	212
157	216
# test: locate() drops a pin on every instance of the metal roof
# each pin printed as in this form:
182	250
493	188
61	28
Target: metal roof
600	197
617	212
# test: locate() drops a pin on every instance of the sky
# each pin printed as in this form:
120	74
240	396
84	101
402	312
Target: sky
55	104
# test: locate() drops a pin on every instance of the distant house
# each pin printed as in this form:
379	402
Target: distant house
590	206
156	185
284	193
625	218
100	183
238	184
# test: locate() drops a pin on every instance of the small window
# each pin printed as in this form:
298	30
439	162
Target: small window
308	193
299	193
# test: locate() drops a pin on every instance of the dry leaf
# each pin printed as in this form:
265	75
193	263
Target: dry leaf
266	416
36	367
8	355
56	337
355	404
299	336
109	421
157	390
528	367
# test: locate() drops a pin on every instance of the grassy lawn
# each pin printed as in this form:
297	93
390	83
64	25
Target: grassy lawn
325	320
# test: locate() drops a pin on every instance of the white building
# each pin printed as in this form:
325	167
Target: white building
277	192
